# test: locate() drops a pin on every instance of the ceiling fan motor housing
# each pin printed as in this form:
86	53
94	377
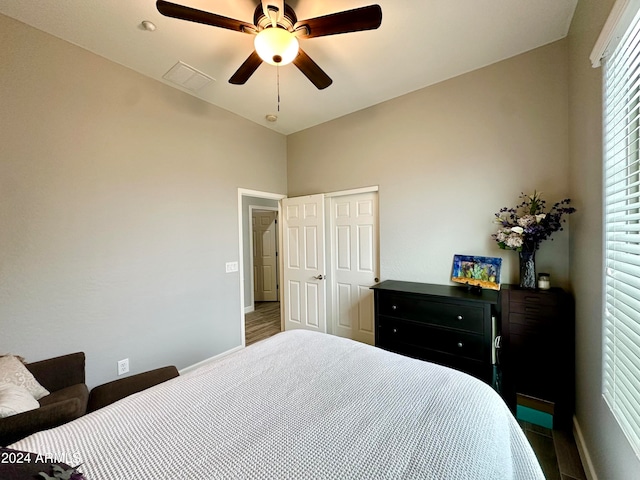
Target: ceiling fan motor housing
287	21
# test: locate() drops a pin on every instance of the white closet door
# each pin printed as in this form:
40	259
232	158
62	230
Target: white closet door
303	252
354	240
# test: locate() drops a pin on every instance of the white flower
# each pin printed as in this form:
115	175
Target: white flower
518	230
540	217
526	220
501	236
514	241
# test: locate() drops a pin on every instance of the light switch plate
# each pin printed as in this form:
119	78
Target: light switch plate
231	267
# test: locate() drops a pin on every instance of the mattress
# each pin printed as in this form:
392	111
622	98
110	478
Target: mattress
301	405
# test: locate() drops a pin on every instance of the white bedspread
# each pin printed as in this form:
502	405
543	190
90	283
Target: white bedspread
302	405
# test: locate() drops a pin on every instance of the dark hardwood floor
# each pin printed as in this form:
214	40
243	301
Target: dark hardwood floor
556	451
263	322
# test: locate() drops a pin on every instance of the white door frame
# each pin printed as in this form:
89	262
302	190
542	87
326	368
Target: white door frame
270	209
244	192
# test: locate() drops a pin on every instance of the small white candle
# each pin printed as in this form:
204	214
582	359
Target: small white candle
544	283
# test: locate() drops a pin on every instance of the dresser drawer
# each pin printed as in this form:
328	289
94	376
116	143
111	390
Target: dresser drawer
462	317
535	310
534	297
479	369
542	322
393	332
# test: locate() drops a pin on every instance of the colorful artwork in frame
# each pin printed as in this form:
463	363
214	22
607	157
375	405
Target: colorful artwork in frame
483	272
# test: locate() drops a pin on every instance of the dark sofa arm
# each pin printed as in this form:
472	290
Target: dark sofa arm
59	372
71	406
108	393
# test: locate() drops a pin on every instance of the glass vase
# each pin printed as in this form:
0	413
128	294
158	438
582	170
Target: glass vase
527	269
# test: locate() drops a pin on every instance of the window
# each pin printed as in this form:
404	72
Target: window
621	354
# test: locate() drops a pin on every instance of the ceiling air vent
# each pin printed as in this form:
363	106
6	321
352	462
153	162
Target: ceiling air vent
187	77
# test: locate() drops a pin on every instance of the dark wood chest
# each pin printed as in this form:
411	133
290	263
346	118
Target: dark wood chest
538	349
444	324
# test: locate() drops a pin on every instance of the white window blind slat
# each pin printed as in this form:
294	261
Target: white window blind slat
625	248
621	172
627	171
622	227
627	396
621	114
617	237
622	57
617	207
625	294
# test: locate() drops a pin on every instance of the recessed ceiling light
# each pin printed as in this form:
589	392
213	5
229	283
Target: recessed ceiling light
147	25
271	117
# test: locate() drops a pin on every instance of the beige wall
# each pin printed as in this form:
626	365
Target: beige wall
610	453
447	158
118	210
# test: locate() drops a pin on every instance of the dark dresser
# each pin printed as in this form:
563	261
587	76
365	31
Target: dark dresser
444	324
538	351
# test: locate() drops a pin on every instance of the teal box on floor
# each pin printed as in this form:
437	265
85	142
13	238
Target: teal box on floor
536	417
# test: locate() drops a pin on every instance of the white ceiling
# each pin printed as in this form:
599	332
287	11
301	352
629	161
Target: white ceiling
420	42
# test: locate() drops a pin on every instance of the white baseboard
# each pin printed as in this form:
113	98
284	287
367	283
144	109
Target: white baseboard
249	309
587	464
209	360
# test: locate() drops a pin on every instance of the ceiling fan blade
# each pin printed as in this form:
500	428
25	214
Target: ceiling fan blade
245	71
181	12
363	18
312	71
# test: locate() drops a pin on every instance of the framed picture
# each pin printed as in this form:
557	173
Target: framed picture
483	272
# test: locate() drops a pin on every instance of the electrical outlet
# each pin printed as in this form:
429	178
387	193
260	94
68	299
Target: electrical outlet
231	267
123	366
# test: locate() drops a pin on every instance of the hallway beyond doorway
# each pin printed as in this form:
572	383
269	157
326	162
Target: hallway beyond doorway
262	323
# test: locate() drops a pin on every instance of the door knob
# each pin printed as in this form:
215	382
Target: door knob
319	277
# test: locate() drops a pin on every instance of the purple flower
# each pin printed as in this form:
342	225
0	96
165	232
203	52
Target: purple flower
524	227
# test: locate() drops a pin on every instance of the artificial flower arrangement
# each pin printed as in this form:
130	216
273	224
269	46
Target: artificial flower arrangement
523	228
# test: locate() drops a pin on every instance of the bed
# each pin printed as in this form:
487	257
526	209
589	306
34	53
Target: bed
301	405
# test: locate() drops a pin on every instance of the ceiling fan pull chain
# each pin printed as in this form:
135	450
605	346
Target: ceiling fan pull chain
278	74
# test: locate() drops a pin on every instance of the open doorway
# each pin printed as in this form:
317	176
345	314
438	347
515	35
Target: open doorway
264	319
259	240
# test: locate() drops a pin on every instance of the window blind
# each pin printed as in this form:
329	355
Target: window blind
621	354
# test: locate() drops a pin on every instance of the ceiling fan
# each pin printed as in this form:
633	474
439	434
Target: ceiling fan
277	31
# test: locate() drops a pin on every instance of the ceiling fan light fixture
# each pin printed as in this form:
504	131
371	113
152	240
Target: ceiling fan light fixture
276	46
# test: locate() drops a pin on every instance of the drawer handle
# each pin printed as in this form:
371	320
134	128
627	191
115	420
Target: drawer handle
459	317
394	307
460	345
